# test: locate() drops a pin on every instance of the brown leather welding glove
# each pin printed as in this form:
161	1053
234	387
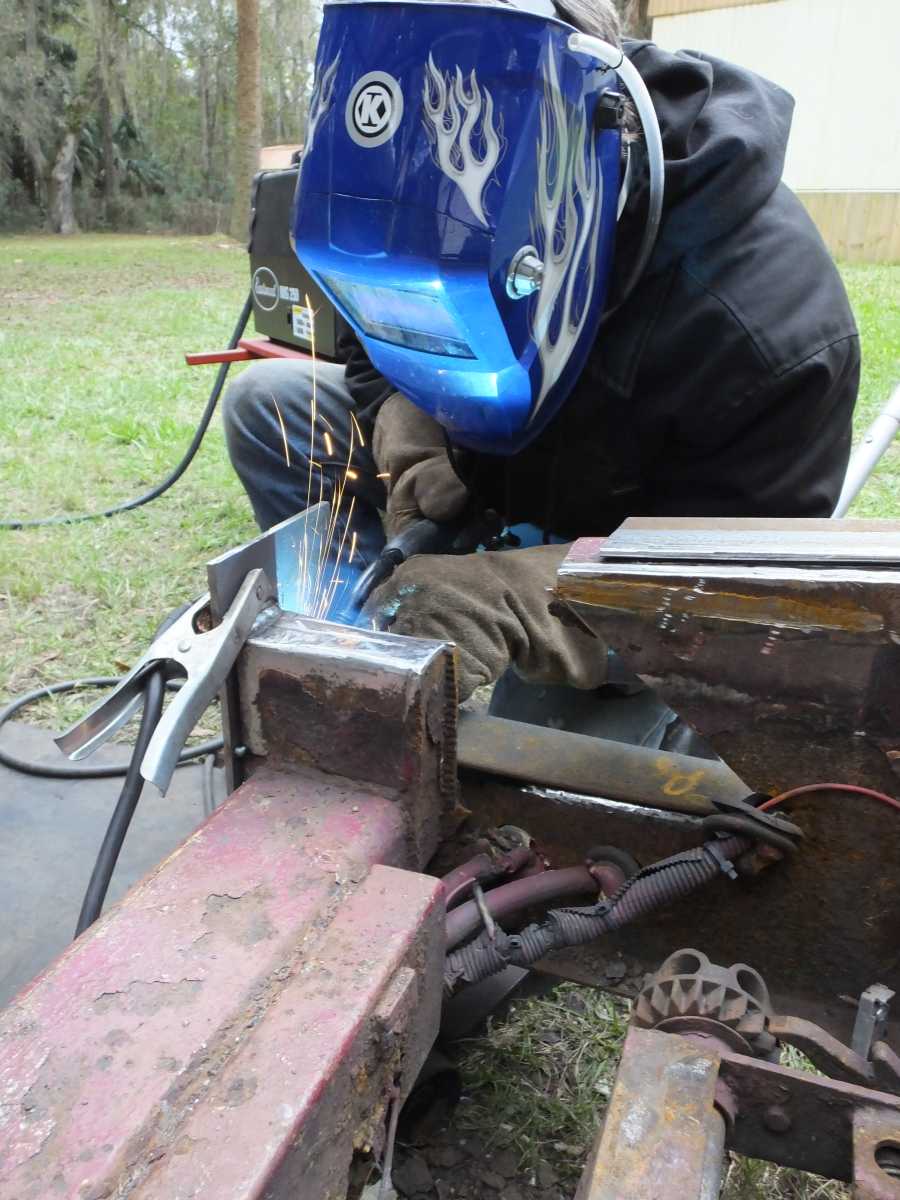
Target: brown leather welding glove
410	450
495	607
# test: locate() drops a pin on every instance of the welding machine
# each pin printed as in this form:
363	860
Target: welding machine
283	291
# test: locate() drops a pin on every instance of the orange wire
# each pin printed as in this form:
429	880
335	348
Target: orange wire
829	787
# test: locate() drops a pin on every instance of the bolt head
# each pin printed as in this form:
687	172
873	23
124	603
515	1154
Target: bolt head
184	645
776	1119
525	273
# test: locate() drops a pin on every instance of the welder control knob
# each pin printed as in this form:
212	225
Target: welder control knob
526	272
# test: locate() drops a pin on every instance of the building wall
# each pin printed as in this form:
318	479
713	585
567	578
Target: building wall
838	58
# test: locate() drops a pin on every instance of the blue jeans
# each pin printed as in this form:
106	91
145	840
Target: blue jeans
268	416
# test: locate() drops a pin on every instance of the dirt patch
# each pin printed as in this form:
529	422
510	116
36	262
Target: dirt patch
456	1163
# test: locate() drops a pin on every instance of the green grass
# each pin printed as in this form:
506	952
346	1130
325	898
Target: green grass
875	295
538	1083
96	405
539	1080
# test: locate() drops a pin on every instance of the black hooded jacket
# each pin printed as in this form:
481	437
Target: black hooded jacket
725	384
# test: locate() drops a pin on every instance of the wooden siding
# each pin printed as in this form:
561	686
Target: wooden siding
857	226
676	8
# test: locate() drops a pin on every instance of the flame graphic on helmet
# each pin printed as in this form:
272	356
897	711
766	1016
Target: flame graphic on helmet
453	111
565	228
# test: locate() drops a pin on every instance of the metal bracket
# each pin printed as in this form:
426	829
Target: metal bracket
871	1018
740	817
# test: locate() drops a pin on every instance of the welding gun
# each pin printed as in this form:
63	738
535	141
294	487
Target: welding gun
424	536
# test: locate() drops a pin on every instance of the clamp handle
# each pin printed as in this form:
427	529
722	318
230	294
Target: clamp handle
202	659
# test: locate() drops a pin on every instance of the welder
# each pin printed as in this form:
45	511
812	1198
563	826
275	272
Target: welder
453	189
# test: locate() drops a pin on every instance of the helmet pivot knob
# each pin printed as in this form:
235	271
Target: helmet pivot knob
526	272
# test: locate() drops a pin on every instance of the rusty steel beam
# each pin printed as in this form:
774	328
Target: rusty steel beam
678	1101
662	1133
358	703
791	672
876	1154
805	1120
594	766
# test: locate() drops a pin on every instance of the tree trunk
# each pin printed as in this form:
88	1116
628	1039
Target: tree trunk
205	149
29	123
248	114
110	178
103	33
280	92
61	215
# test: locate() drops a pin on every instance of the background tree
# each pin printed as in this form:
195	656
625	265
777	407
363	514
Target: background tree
248	114
148	114
124	113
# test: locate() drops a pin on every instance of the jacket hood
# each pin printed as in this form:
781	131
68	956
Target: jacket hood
724	132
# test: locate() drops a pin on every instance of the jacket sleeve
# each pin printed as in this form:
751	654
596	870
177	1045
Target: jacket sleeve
367	387
781	452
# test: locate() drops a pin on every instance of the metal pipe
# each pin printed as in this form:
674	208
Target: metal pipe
595	766
483	868
868	453
503	902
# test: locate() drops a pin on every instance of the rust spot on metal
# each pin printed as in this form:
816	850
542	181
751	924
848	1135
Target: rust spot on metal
240	1090
767	608
148	996
241	919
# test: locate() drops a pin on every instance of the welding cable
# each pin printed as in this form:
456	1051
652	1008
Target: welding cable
828	787
108	854
53	771
650	889
174	475
208	766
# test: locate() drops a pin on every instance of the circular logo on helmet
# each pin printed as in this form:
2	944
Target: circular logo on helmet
265	288
374	109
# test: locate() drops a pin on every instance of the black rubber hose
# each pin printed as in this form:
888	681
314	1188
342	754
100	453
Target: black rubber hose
652	888
178	471
108	855
49	771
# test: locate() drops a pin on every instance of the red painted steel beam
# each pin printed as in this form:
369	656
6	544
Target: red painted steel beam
239	354
235	1023
263	347
247	349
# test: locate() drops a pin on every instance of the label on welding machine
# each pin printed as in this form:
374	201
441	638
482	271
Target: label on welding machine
302	322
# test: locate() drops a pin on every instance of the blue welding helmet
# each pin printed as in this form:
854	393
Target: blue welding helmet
458	200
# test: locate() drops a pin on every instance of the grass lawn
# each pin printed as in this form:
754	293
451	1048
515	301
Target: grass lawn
96	405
